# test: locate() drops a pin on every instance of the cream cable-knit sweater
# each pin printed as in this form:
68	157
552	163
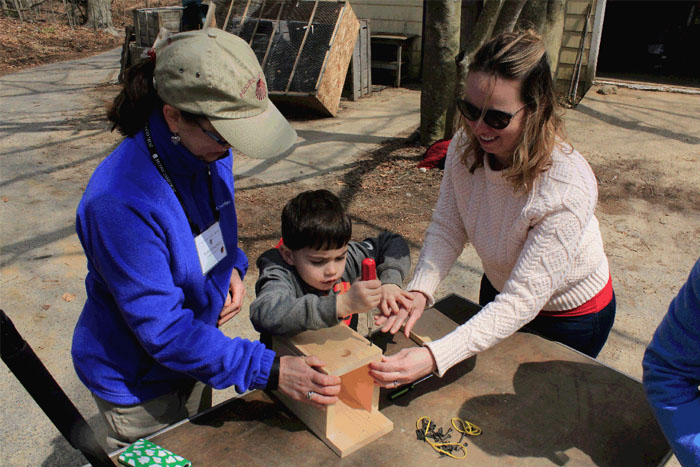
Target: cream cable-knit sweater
542	250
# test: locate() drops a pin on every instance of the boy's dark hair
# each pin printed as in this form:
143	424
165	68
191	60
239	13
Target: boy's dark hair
315	219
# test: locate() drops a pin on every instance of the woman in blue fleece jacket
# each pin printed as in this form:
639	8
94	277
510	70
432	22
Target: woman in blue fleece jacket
158	226
672	372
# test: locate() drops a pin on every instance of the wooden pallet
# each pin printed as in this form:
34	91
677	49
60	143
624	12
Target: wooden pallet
149	21
304	48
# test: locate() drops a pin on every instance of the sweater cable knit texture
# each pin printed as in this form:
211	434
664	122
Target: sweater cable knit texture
541	249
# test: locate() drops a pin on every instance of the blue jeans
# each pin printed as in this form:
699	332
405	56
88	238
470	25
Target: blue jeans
586	333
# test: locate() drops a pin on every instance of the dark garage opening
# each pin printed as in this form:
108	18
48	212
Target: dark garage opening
651	41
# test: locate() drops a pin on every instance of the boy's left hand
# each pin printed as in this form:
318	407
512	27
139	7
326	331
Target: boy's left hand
409	315
394	299
234	299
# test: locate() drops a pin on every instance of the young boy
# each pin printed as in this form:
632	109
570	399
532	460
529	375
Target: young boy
305	283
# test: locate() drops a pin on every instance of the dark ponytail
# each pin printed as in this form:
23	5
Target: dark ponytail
137	99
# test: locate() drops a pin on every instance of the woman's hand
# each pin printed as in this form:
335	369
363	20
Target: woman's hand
394	299
234	298
410	315
404	367
361	298
301	381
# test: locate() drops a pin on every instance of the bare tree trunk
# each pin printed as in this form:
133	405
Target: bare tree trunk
482	31
554	31
99	14
533	15
67	11
442	21
19	10
508	16
53	11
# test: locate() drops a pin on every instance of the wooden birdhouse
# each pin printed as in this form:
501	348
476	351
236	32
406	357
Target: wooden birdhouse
354	421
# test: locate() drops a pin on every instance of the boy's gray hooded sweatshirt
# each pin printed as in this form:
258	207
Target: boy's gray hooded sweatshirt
286	305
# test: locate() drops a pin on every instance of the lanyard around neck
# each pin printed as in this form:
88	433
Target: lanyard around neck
155	158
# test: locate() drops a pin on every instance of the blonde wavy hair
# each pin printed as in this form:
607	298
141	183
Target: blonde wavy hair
521	56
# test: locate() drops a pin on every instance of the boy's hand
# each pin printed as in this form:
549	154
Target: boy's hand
361	298
409	315
394	298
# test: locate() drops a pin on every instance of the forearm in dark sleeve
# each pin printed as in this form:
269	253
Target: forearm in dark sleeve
277	311
393	258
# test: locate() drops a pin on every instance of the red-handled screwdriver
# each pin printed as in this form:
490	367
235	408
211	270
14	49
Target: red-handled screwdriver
369	273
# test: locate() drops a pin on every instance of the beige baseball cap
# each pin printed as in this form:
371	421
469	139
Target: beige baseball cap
213	73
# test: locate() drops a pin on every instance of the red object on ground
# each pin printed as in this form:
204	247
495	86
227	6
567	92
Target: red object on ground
435	155
369	269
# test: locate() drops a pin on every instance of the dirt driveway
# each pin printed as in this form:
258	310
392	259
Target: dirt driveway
644	147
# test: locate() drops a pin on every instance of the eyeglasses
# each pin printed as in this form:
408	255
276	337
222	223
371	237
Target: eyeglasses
496	119
219	140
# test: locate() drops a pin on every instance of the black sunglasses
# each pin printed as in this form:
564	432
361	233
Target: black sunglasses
496	119
219	140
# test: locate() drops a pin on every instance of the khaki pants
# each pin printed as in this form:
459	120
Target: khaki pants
127	423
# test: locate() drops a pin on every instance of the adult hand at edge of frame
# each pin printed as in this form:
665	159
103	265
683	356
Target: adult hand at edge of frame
234	299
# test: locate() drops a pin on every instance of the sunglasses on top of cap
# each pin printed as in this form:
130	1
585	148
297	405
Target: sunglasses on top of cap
496	119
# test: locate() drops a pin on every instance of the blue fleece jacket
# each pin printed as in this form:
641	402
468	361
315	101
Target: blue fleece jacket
672	372
149	322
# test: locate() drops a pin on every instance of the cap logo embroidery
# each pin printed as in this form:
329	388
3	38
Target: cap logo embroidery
246	87
260	90
257	87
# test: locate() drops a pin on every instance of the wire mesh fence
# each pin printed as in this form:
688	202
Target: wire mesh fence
290	38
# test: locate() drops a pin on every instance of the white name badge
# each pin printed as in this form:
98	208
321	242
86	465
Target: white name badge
210	247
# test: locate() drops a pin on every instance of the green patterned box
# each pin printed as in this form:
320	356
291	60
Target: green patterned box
144	453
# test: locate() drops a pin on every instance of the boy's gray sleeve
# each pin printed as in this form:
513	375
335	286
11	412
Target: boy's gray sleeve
279	310
390	252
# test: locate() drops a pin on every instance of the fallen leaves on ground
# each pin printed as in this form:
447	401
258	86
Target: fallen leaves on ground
68	297
46	36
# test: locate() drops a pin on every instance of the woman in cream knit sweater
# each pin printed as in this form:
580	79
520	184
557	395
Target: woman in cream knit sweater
525	199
